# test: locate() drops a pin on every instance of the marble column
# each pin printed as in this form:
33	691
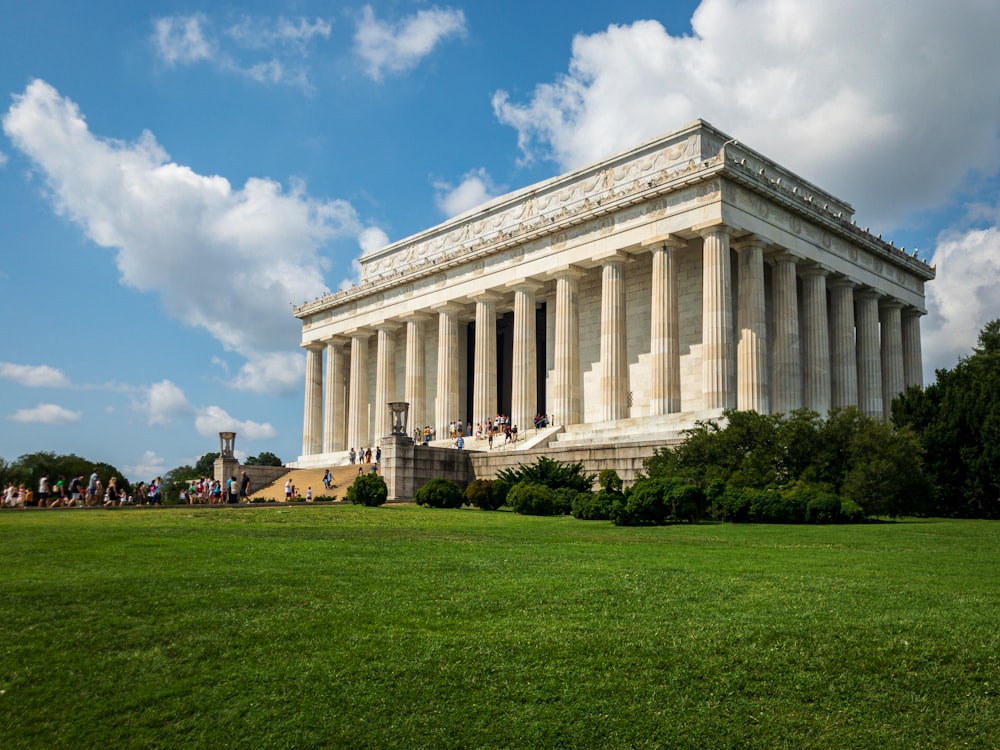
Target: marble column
484	384
891	345
335	411
913	363
816	341
524	370
446	408
358	436
312	424
786	368
415	385
751	345
869	353
385	378
717	348
566	360
664	329
843	349
614	355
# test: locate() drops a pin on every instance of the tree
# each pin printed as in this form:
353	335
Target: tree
957	421
264	458
205	466
754	461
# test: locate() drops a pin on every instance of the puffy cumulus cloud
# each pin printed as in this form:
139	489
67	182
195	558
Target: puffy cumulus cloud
475	188
182	40
280	371
163	401
283	43
175	232
964	297
46	414
397	47
215	419
372	238
34	376
888	104
149	466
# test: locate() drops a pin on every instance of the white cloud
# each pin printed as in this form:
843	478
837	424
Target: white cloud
181	40
46	414
3	159
149	466
964	297
394	48
280	371
475	188
163	401
893	106
34	376
862	98
263	33
284	43
372	238
215	419
176	232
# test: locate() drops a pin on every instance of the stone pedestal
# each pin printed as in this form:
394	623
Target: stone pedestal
398	468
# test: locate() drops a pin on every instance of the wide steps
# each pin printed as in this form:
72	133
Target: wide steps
302	479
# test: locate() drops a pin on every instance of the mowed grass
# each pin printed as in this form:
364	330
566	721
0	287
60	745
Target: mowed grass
415	628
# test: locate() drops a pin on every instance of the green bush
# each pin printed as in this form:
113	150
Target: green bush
732	504
439	493
609	481
367	489
823	507
772	506
564	499
479	493
532	499
642	505
588	506
850	511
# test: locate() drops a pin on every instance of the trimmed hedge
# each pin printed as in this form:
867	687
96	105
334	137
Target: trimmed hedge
439	493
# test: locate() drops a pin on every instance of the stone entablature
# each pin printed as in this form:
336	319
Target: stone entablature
734	251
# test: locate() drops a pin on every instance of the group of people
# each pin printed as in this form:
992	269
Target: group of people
365	455
80	493
216	492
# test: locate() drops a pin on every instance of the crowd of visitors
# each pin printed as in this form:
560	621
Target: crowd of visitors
81	493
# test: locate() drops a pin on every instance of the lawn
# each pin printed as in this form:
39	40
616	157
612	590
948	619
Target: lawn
408	627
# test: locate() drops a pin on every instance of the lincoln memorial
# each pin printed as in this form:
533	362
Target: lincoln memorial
623	300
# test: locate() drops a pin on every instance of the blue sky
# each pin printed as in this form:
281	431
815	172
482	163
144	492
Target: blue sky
175	175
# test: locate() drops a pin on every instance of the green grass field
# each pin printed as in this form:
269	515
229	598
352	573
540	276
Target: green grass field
408	627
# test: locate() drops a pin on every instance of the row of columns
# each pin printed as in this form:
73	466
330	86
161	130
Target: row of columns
862	352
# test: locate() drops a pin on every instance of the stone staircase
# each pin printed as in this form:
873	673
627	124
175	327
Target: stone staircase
343	476
668	428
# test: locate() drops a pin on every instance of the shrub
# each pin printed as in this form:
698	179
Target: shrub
642	505
772	506
732	504
367	489
850	511
588	506
823	507
610	481
683	501
564	499
479	493
551	474
439	493
532	499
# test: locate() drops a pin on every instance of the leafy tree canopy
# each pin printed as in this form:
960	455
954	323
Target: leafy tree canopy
265	458
957	421
848	453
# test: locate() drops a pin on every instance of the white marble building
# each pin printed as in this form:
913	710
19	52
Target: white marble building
682	277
